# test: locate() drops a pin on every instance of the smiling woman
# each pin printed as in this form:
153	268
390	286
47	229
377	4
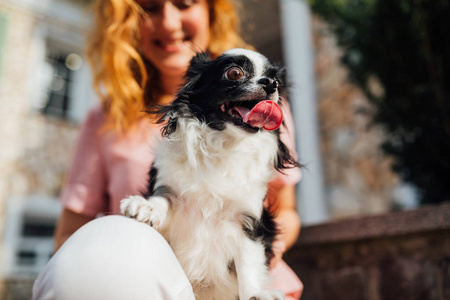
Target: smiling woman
147	37
139	52
172	31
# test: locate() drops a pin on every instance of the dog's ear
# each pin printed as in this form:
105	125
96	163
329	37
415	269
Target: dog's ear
197	65
284	158
165	114
171	125
283	80
282	76
169	114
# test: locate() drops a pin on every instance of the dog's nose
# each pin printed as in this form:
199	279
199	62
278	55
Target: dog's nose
269	85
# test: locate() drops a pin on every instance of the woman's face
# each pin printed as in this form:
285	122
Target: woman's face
172	32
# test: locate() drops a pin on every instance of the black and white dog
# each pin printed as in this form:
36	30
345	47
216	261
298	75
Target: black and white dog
210	174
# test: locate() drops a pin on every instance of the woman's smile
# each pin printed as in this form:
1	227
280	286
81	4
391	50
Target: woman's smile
172	44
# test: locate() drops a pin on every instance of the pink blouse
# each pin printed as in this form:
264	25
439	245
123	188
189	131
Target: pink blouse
107	168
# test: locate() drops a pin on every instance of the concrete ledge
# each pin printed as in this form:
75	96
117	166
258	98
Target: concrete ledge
429	218
400	255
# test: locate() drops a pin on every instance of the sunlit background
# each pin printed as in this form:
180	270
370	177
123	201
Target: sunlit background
370	98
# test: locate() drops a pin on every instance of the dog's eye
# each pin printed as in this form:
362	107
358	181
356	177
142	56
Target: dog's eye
234	73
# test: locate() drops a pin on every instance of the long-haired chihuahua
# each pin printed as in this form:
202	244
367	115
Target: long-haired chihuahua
220	148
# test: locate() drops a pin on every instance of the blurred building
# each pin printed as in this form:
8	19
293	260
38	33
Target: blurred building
45	91
350	176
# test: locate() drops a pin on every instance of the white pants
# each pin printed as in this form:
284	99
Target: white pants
113	258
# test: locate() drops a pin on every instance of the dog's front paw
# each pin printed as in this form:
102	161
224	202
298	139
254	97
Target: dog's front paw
152	211
268	295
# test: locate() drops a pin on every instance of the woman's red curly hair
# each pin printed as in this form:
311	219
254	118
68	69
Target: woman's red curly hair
124	80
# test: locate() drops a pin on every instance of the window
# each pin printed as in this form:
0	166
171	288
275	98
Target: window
28	241
60	67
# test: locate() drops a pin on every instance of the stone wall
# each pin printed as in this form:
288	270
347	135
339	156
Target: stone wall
17	289
395	256
36	150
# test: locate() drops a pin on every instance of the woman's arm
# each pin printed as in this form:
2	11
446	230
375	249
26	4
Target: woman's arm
282	201
68	223
286	213
287	216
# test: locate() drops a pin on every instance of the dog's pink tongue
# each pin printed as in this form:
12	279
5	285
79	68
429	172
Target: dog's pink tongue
266	114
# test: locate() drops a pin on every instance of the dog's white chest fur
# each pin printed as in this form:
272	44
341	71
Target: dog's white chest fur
217	176
211	168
